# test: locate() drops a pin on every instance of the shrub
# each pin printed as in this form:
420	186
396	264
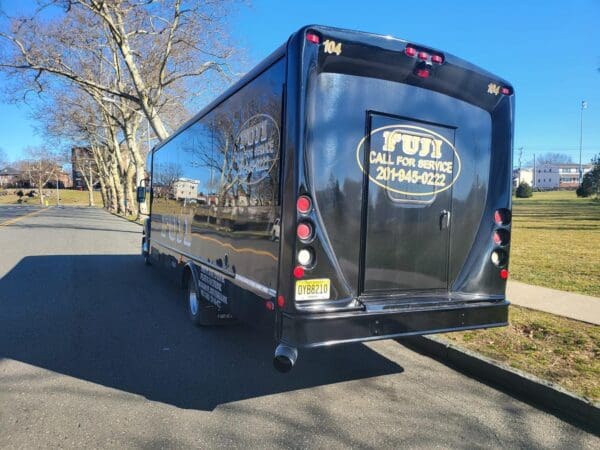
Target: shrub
524	190
586	188
20	194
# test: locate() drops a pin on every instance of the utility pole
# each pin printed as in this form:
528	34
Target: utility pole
520	158
533	180
583	106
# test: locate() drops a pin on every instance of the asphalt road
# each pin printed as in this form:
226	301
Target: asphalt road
10	212
96	351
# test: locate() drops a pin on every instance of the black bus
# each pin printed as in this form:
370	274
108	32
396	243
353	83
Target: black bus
351	187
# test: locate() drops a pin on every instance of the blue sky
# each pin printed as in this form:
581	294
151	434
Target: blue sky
548	49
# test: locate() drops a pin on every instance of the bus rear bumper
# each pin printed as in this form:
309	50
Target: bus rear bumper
315	330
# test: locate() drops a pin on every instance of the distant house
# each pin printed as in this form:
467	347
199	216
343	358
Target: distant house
559	176
10	177
185	189
522	176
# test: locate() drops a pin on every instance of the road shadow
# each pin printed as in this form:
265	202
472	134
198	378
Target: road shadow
111	320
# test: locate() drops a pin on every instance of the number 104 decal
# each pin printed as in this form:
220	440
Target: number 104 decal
331	47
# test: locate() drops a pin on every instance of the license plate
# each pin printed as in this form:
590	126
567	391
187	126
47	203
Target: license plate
313	289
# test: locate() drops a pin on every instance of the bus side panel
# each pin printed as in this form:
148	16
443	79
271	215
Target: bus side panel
216	189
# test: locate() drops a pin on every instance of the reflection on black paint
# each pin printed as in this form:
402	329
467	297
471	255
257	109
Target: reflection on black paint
222	176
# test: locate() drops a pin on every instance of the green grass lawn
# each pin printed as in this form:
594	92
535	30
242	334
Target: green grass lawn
68	197
556	242
557	349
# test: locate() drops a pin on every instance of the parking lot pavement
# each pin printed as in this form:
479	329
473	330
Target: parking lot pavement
96	351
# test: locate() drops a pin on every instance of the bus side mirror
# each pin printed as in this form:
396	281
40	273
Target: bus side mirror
141	194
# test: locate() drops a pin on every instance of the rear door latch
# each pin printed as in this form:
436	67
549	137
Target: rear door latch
444	219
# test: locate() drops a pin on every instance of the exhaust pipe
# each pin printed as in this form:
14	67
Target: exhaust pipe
285	358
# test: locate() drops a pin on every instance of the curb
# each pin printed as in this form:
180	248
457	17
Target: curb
548	396
123	217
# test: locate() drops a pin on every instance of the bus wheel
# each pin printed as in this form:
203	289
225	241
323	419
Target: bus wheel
200	311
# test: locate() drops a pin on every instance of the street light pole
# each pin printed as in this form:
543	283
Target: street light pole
583	106
57	193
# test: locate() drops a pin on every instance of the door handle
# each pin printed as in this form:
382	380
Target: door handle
444	219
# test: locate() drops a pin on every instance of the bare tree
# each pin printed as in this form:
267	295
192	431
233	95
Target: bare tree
131	59
553	158
162	46
41	166
84	163
3	157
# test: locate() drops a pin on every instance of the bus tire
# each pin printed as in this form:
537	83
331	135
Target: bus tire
202	313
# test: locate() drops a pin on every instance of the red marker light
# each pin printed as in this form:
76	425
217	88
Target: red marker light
502	216
497	238
410	51
304	231
423	56
270	305
280	301
437	59
505	91
303	204
504	274
298	272
422	73
312	37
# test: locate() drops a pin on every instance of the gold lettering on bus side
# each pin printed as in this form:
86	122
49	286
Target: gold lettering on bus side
409	160
410	144
437	149
390	139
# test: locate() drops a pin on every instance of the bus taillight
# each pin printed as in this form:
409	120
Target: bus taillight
304	231
501	237
305	257
504	274
303	204
502	216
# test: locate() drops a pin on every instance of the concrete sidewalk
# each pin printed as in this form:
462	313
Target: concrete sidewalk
566	304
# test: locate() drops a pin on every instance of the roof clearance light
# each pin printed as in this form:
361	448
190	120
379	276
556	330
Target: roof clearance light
410	51
423	56
304	231
422	73
298	272
312	37
437	59
303	204
505	91
280	301
504	274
